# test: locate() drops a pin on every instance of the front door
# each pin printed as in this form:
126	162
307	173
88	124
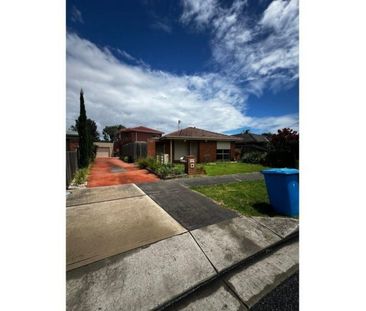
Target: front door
193	149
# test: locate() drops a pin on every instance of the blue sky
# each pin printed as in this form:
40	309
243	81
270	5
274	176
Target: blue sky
220	65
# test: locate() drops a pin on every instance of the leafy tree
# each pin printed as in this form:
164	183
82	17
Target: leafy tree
110	132
92	128
84	137
284	150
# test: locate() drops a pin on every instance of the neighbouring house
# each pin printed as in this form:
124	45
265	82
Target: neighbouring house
72	146
248	142
103	149
132	142
204	145
72	140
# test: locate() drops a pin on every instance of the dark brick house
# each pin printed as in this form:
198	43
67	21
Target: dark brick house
204	145
132	142
136	134
248	142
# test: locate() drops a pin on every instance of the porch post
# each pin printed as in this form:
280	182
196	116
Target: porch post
171	152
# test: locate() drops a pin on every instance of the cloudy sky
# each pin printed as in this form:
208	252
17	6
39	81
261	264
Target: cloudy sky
224	66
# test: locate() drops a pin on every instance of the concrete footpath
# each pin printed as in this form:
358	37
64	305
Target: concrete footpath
215	180
144	257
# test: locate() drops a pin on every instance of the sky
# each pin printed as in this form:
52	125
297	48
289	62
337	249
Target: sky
224	66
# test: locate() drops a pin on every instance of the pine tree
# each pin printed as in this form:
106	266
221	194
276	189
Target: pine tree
84	141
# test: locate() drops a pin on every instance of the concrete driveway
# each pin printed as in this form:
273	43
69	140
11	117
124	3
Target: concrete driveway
108	221
113	171
125	252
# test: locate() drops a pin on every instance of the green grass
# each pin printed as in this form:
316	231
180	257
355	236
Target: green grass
247	197
215	169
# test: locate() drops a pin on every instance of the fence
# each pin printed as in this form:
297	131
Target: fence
134	151
71	166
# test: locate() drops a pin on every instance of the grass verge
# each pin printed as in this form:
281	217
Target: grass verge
216	169
247	197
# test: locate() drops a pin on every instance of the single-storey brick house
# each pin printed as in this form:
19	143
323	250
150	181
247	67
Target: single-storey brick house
206	146
136	134
132	142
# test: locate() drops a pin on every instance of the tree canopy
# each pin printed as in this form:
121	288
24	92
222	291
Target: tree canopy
88	133
110	132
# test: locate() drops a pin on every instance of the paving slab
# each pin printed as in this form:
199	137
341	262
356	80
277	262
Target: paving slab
191	209
228	242
215	297
100	194
142	279
98	230
283	226
257	280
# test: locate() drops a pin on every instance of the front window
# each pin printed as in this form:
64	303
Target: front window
222	154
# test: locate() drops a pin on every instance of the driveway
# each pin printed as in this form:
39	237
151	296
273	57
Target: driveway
161	245
113	171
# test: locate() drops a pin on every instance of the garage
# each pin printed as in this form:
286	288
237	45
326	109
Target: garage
102	152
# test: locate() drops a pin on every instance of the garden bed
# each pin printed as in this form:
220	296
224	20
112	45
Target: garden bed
163	171
167	176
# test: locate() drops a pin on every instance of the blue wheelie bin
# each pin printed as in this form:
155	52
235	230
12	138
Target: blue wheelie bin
283	190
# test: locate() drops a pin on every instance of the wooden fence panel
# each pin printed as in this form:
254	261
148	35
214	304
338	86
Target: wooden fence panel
71	166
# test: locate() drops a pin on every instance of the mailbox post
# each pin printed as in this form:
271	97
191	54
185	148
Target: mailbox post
190	165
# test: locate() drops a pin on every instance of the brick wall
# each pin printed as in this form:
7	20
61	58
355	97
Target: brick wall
151	148
232	151
72	144
129	137
207	152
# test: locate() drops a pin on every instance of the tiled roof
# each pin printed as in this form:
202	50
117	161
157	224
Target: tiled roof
251	138
196	133
72	133
142	129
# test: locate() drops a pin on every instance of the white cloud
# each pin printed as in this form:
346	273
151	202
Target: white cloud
116	92
76	15
199	11
260	51
162	26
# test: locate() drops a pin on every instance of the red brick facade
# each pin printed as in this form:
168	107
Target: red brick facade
72	143
232	151
130	137
151	148
206	150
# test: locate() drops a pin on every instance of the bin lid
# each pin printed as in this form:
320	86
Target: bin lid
284	171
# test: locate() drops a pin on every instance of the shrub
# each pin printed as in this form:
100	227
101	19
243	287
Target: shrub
163	170
284	149
254	157
81	176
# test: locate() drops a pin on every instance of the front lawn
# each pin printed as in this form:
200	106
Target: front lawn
215	169
247	197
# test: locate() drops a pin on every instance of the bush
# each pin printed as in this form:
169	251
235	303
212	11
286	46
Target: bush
163	170
254	157
284	149
81	176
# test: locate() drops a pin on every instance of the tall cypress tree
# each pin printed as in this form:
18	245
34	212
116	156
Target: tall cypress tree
84	143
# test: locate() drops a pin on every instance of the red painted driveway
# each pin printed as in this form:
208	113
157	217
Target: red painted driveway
113	171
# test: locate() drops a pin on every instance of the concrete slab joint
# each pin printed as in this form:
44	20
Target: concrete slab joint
141	279
230	241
